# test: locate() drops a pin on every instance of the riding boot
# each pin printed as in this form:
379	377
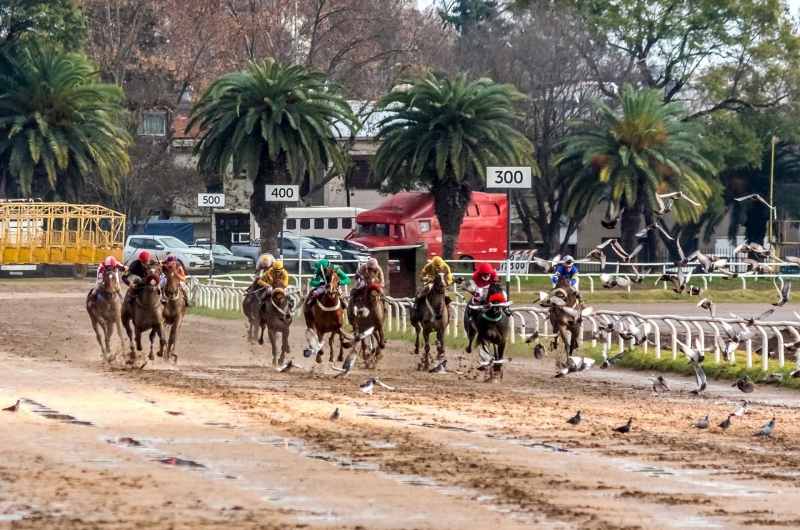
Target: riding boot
344	304
312	300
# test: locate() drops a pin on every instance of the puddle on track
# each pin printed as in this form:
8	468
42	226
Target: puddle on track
50	414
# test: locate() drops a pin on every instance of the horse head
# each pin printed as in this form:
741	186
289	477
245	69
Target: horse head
439	285
373	291
331	280
110	283
279	297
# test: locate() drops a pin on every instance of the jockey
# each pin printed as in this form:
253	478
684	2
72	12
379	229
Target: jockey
318	282
483	276
263	263
434	267
138	269
367	270
569	271
109	264
181	275
272	276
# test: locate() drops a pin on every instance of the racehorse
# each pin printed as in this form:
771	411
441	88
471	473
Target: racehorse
105	312
276	316
369	311
565	325
174	308
432	315
326	315
489	325
250	307
146	312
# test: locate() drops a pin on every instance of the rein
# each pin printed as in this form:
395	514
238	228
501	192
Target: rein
278	309
492	319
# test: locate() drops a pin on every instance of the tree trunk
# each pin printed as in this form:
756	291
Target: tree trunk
450	201
629	222
269	215
652	236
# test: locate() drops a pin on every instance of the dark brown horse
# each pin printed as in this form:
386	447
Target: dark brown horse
326	315
276	316
564	324
488	324
146	312
174	310
250	307
369	310
431	315
105	312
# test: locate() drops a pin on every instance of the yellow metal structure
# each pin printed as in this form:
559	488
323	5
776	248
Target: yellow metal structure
59	233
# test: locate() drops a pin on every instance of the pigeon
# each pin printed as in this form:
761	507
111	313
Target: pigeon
754	267
654	226
288	366
575	420
609	361
610	282
794	374
663	208
597	255
575	365
728	275
315	345
12	408
705	303
539	351
727	423
745	384
625	428
681	261
727	349
677	195
623	255
709	265
783	295
367	386
695	355
640	277
700	379
348	364
755	197
577	315
636	333
767	429
750	322
545	300
774	378
702	424
612	221
488	360
547	266
336	415
736	336
659	384
742	410
680	282
439	368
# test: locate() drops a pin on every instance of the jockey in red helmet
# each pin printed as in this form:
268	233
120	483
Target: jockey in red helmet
109	264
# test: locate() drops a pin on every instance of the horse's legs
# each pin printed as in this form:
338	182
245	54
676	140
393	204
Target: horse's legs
261	338
108	330
138	334
341	345
162	342
426	335
152	340
96	327
440	340
173	339
500	351
284	344
127	325
416	343
272	339
330	343
321	339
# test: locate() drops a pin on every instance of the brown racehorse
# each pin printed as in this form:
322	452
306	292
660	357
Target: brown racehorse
105	312
145	312
564	325
369	310
488	324
276	316
429	316
174	310
250	308
326	316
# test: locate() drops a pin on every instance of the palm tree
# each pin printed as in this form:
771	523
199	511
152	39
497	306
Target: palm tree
441	134
628	157
274	122
58	125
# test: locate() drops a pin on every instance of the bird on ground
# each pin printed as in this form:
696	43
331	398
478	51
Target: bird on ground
745	384
575	364
727	423
609	361
705	303
347	365
12	408
702	424
767	429
654	226
547	266
774	378
288	366
659	384
750	322
783	294
755	197
625	428
439	368
794	374
663	208
575	420
700	379
611	222
742	410
369	385
336	415
695	355
610	282
539	351
709	263
488	360
676	196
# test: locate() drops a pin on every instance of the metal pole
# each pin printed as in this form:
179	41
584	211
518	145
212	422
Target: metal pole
211	246
508	243
771	188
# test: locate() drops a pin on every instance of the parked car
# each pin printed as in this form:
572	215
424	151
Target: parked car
312	252
159	247
350	250
225	260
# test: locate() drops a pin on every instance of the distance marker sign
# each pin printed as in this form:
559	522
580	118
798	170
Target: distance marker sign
509	177
211	200
282	193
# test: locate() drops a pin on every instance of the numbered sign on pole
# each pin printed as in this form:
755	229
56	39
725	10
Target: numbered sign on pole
282	193
211	200
508	177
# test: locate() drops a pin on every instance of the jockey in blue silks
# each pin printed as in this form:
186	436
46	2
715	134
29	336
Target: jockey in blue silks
568	270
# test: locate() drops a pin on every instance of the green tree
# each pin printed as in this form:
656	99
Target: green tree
58	125
629	157
274	122
441	134
55	23
464	15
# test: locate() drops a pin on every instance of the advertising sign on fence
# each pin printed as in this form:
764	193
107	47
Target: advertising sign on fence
519	261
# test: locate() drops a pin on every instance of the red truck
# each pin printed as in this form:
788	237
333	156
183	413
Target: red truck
408	218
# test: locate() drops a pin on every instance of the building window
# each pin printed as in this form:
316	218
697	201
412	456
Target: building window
347	223
319	224
153	124
361	178
291	224
333	224
305	224
424	226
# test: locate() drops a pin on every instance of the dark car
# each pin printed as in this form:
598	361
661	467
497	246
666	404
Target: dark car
226	261
350	250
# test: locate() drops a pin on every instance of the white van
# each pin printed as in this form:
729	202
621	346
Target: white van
159	247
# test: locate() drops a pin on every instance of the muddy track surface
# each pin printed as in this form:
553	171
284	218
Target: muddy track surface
223	439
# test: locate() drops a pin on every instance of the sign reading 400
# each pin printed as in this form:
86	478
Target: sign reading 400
508	177
282	193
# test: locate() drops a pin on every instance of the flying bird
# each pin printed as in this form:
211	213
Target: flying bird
705	303
659	384
755	197
547	266
680	282
577	315
288	366
636	333
709	263
676	196
369	385
745	384
700	379
488	360
742	410
610	282
750	322
12	408
774	378
539	351
315	345
625	428
695	355
336	415
609	361
754	267
545	300
575	420
439	368
348	364
702	424
612	221
727	423
575	365
682	261
783	294
663	209
654	226
767	429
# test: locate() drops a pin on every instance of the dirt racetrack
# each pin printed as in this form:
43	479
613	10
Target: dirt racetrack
223	440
